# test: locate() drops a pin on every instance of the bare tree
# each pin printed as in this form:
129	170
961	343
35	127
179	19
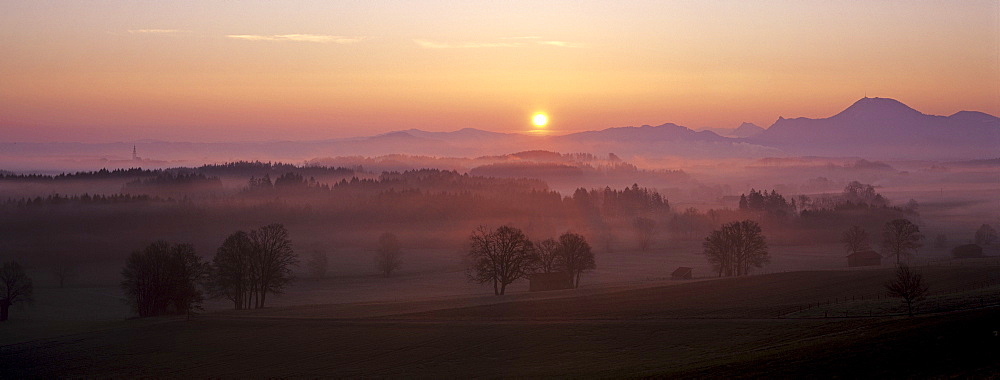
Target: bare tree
575	255
907	285
318	263
855	239
501	256
273	259
233	275
15	287
734	248
986	235
249	265
900	237
388	257
545	256
645	229
162	275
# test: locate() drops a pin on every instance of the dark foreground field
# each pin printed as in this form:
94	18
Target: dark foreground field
720	328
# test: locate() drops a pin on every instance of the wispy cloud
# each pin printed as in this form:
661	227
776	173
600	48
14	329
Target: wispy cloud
565	44
505	42
156	31
317	38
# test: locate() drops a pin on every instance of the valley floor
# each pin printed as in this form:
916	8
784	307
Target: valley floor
725	328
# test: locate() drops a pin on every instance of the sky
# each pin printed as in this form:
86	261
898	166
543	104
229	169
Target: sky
103	71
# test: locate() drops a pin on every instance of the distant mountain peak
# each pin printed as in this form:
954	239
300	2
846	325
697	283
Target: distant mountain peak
877	107
746	130
973	116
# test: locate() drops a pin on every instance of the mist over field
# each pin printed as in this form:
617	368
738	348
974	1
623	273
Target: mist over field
517	189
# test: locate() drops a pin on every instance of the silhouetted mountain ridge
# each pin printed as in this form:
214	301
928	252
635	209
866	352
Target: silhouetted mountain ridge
886	128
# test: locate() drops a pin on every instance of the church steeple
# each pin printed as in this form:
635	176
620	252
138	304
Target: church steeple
135	157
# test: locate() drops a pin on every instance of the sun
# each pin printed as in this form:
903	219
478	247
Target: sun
540	120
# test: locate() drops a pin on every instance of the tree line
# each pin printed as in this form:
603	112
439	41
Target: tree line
506	254
165	278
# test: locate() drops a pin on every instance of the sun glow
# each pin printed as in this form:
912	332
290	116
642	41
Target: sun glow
540	120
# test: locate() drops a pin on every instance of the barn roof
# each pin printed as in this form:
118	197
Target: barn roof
680	271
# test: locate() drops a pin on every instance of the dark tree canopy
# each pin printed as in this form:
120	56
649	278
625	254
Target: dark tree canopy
900	237
249	265
736	247
908	286
388	257
575	256
163	278
274	259
986	235
501	256
233	275
863	194
762	201
15	287
855	239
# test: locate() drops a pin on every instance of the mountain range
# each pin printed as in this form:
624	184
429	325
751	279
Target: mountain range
875	128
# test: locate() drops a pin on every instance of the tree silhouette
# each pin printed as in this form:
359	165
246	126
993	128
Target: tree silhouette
986	235
855	239
233	275
15	287
161	276
900	237
907	285
734	248
388	257
644	228
545	256
575	255
273	259
249	265
501	256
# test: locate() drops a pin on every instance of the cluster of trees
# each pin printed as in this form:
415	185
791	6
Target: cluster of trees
249	265
761	201
89	175
626	203
100	199
856	195
900	238
735	248
286	183
506	254
165	278
273	169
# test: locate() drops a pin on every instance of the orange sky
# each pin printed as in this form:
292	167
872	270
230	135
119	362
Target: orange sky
185	71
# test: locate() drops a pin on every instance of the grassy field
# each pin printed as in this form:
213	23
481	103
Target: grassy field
720	328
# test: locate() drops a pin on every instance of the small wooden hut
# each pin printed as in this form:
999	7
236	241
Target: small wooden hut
681	273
